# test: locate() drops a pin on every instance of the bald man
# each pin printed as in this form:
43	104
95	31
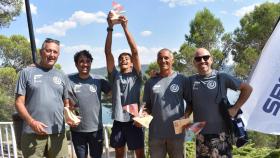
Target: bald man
208	88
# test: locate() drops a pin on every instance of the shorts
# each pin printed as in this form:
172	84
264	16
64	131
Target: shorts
174	147
127	133
52	145
88	140
213	145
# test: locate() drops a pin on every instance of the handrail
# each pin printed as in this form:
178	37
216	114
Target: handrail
9	132
8	129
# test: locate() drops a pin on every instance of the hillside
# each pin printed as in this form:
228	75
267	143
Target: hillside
103	70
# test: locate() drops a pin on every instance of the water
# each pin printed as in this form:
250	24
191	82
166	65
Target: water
106	115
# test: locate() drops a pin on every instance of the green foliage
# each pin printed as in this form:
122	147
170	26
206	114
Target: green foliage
15	52
184	58
8	77
246	62
57	66
6	108
218	58
250	38
205	30
152	67
190	149
8	10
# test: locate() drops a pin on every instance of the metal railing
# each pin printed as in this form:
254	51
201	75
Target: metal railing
8	142
8	146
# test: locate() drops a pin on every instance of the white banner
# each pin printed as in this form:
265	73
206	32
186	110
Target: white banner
262	109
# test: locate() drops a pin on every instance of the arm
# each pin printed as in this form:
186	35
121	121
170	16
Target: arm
37	126
133	47
245	92
108	46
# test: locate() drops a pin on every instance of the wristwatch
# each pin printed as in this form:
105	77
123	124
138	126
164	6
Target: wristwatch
110	29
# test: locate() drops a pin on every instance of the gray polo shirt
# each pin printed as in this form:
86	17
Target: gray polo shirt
44	91
165	97
125	90
205	99
88	93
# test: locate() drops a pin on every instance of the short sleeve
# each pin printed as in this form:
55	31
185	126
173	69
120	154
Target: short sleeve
21	84
105	86
147	96
112	75
231	82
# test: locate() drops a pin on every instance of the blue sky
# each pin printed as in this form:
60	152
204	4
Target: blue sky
155	24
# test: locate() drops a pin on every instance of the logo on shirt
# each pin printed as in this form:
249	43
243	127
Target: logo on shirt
92	89
174	88
77	88
56	80
37	78
196	85
211	84
156	88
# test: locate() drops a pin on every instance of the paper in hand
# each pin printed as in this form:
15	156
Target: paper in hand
144	120
196	127
116	12
180	124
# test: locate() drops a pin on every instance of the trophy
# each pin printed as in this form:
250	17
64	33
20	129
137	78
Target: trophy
116	12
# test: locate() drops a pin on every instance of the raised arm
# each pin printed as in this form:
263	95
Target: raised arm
133	47
108	46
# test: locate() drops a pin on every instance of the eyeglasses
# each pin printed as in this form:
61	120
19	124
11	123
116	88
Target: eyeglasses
205	58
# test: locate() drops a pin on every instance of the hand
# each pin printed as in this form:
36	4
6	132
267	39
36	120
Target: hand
233	111
38	127
123	20
109	21
72	123
137	124
144	113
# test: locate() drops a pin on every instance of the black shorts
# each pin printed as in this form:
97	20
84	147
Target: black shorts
127	132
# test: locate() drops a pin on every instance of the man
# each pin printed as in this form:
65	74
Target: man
126	85
164	96
208	88
41	94
87	90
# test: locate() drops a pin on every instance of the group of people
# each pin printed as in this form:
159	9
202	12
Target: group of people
42	92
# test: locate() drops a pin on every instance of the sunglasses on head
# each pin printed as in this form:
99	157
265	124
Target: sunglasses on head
205	58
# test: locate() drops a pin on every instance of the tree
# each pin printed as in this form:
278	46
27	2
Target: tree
152	67
205	30
184	58
8	77
8	10
250	38
15	52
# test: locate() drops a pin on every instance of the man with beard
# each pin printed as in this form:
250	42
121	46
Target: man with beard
208	87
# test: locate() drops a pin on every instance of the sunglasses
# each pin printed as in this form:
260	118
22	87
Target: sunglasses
49	40
205	58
